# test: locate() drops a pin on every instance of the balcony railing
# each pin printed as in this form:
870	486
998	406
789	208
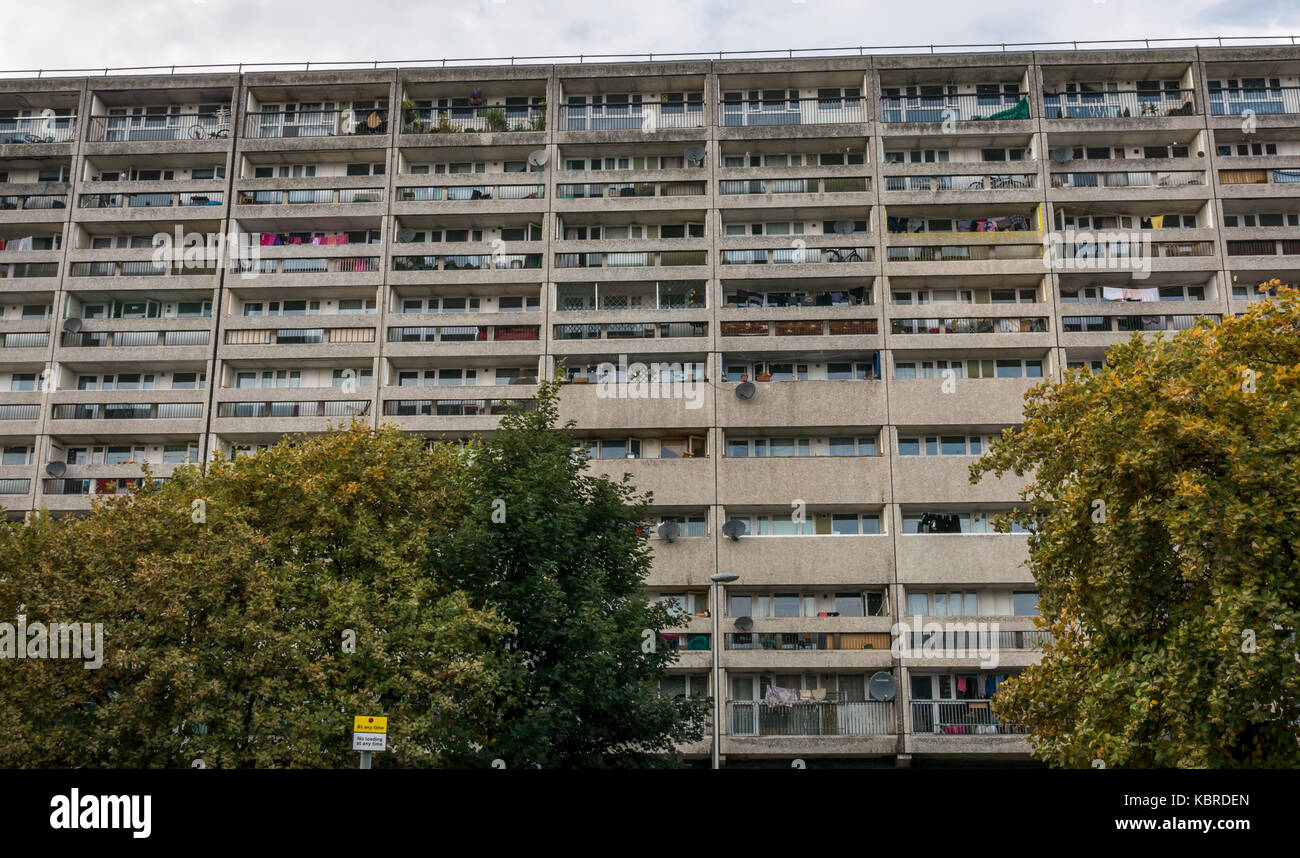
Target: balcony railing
1129	179
615	297
37	129
793	111
151	199
460	193
1033	325
15	487
1106	324
1119	104
811	718
25	340
1259	177
464	334
1128	245
954	108
20	412
973	641
828	185
1265	247
33	202
467	262
327	408
452	407
964	252
801	328
489	118
632	331
298	336
296	265
311	197
637	259
1261	101
98	486
648	116
805	641
597	190
128	411
974	182
21	270
176	126
959	718
135	268
132	339
316	123
797	256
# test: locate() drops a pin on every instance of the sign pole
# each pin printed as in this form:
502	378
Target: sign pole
365	759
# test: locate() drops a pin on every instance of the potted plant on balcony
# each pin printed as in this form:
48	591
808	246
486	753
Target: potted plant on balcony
763	376
496	119
410	112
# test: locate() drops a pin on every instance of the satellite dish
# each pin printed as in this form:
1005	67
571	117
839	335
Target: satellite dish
538	158
843	227
694	154
56	469
1061	154
72	326
669	530
882	686
734	529
406	235
744	624
746	390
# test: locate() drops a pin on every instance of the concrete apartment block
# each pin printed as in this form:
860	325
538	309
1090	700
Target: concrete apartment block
812	232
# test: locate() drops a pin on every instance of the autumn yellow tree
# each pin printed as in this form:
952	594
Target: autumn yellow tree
1165	509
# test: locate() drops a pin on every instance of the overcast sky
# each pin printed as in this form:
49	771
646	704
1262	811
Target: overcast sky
97	33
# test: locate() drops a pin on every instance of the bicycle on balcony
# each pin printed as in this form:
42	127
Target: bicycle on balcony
847	254
217	129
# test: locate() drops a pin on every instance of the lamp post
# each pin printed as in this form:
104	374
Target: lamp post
718	580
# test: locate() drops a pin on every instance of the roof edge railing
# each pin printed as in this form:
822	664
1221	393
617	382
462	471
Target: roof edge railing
777	53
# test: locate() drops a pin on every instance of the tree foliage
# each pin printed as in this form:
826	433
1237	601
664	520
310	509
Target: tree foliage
1164	499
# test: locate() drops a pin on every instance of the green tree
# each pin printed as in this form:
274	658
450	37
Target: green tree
1164	497
564	562
228	624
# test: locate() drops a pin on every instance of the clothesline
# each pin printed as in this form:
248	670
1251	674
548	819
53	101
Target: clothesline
273	239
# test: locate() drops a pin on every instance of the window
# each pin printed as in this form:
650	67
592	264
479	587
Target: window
851	446
16	456
1024	604
189	380
178	454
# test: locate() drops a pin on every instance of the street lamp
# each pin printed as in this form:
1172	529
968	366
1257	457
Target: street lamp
718	579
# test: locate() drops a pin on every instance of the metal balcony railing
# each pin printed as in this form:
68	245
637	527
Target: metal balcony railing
128	411
829	110
959	718
974	641
810	718
1107	324
952	108
485	118
151	199
1129	179
25	340
297	265
1034	325
136	268
596	190
801	328
467	262
15	486
464	333
22	270
1261	101
459	193
797	255
310	197
632	331
96	486
964	252
636	259
974	182
1259	177
648	116
453	407
37	129
828	185
32	202
297	336
175	126
1117	104
316	123
805	641
132	339
326	408
20	412
1264	247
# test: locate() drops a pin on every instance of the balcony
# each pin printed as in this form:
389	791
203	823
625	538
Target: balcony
37	129
1130	179
500	340
281	124
955	108
1264	247
468	262
1117	104
810	718
631	331
151	199
449	415
150	129
762	111
294	409
959	718
1259	177
787	255
136	268
966	402
971	325
32	202
961	182
963	559
812	185
494	119
624	190
647	116
1259	101
309	197
950	253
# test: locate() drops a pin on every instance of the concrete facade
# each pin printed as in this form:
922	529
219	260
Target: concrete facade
825	250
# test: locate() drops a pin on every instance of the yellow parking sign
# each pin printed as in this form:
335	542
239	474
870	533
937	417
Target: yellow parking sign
369	724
